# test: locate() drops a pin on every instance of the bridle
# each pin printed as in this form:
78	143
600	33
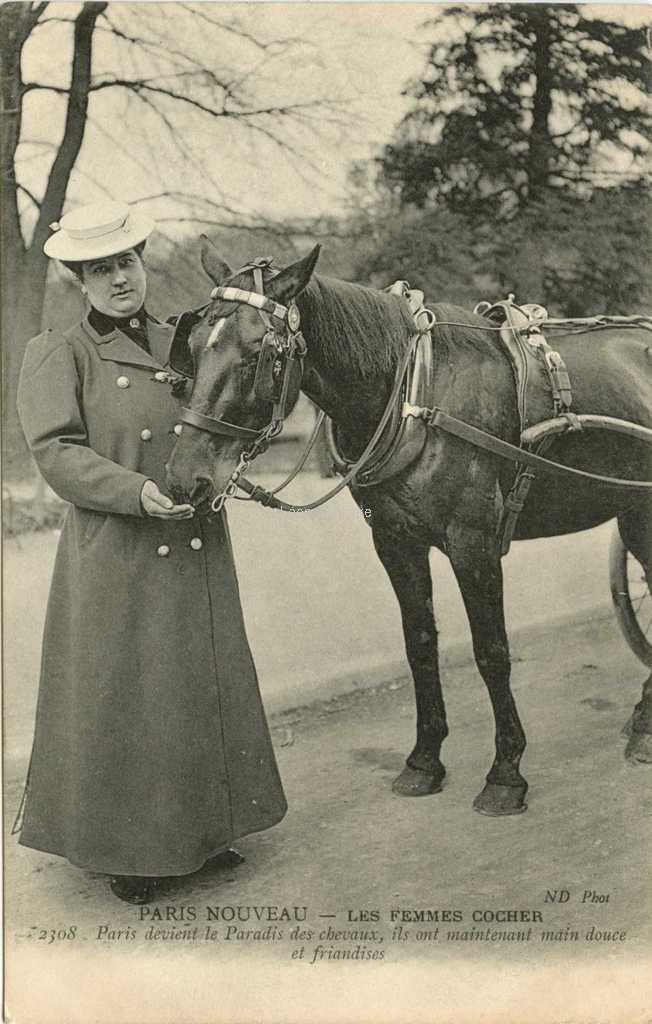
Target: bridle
281	356
280	360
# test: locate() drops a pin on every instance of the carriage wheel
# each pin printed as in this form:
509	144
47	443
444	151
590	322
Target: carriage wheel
632	599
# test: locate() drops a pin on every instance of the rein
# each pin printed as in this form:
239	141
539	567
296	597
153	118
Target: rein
291	346
269	499
489	442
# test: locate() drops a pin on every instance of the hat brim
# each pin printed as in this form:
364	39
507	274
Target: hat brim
61	246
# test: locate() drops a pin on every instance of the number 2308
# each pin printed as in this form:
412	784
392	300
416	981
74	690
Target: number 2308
55	934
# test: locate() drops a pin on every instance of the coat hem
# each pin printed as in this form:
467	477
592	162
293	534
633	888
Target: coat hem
171	872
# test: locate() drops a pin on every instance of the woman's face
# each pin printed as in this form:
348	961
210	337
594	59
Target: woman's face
116	285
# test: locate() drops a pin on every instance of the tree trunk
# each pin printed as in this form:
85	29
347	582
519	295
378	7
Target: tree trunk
21	304
540	149
24	269
22	307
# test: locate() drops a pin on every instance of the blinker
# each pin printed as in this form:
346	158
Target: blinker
181	358
268	370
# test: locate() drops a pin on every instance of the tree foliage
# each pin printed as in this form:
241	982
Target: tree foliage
432	250
589	254
516	100
520	165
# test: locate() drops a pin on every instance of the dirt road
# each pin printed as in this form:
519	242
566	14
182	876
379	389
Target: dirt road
321	615
353	858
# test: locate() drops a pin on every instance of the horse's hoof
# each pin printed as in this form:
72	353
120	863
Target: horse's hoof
498	800
639	748
412	782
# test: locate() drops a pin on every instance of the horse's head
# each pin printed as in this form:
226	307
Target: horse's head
247	354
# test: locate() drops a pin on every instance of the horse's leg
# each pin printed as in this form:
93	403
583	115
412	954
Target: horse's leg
407	566
636	532
475	559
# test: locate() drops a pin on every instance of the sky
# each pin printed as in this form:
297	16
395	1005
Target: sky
359	55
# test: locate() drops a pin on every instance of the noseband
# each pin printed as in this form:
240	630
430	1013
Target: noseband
281	357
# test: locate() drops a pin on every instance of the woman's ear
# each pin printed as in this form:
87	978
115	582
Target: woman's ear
216	268
291	281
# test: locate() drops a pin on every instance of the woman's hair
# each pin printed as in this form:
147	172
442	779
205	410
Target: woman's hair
77	267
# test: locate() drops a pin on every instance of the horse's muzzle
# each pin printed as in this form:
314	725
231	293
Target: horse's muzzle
195	473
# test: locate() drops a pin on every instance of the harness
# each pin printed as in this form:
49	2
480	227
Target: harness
405	435
279	369
400	435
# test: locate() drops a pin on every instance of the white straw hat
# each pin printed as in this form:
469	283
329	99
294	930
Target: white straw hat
97	230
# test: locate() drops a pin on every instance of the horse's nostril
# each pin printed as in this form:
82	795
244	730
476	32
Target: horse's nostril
201	489
178	494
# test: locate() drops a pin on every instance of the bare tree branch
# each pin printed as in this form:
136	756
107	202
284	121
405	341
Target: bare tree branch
190	198
145	85
298	160
203	170
44	143
30	196
156	48
119	145
180	144
53	20
44	87
196	11
97	182
76	115
16	23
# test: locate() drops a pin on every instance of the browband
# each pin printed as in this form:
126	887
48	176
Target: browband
229	294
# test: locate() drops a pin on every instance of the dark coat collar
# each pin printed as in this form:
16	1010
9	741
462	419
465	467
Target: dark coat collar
120	348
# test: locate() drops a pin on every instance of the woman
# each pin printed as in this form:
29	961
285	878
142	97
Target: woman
151	751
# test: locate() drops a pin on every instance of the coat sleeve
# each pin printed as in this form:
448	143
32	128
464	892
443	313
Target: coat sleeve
49	392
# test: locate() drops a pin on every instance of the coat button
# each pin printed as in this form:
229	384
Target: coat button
163	551
146	435
196	544
178	427
161	376
122	382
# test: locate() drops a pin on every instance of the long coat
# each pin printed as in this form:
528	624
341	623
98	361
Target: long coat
151	749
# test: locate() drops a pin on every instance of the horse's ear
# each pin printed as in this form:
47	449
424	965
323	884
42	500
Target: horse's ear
216	268
293	279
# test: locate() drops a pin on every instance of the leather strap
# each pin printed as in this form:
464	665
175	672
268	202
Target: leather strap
505	450
213	426
261	302
267	498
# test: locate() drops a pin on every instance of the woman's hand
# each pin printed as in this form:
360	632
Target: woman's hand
155	503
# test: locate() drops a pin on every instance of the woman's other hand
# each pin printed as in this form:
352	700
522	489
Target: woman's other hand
155	503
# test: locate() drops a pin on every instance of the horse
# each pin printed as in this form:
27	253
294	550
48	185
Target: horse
452	495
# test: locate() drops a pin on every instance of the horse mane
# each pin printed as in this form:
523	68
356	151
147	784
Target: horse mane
361	330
